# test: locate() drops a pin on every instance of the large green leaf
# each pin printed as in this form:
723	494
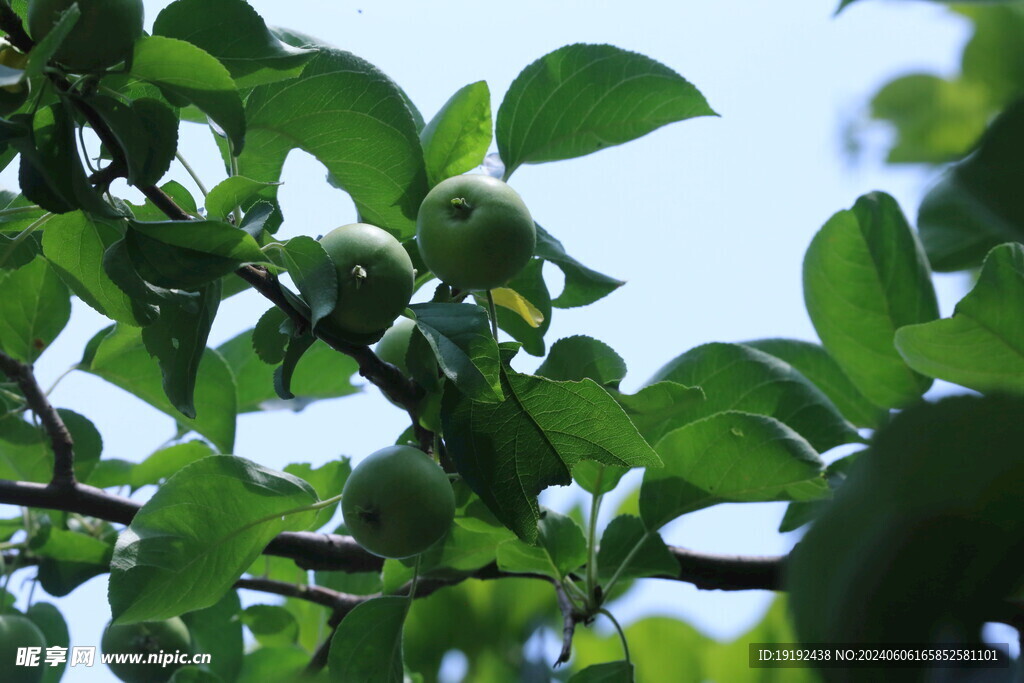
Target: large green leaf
313	272
659	408
509	452
165	462
921	543
977	203
231	192
34	308
738	377
865	276
253	55
146	131
814	362
367	646
466	352
457	138
582	285
582	98
75	243
327	480
321	373
352	118
729	457
185	72
217	630
982	346
608	672
177	339
198	533
561	549
578	357
620	537
119	357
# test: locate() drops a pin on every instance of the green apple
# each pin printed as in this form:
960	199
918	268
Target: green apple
102	37
18	631
397	502
394	345
475	232
166	637
375	279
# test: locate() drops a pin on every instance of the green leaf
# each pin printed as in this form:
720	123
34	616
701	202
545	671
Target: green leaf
313	272
74	243
111	473
367	646
297	347
800	513
185	72
729	457
561	549
582	98
217	631
936	120
273	665
55	632
814	362
69	546
865	276
461	550
738	377
46	48
659	408
34	308
609	672
509	452
268	341
165	462
530	285
355	121
327	480
918	543
460	337
231	192
121	359
59	578
87	439
620	537
51	173
982	346
146	131
271	625
976	205
596	478
253	55
321	373
583	286
577	357
457	138
26	453
198	533
177	339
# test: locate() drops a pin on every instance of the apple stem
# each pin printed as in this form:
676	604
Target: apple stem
461	204
359	273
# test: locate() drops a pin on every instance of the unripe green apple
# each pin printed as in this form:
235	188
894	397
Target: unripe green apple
397	502
375	278
17	631
475	232
146	638
103	35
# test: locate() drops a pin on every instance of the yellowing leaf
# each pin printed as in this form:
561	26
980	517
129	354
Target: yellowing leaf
514	301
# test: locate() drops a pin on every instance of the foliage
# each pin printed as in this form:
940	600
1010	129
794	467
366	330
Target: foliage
933	493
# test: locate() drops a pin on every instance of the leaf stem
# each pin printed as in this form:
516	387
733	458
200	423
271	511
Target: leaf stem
492	311
19	209
622	634
237	211
593	600
625	562
191	172
22	236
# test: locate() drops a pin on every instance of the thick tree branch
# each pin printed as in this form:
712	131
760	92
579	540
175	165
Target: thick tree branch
60	437
728	572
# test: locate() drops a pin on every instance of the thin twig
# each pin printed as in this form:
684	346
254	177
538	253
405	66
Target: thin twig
60	437
570	617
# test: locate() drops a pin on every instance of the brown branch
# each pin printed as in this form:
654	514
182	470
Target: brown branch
570	617
316	594
710	571
60	437
10	23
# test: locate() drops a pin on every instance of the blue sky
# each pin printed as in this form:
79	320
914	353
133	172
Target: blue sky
707	220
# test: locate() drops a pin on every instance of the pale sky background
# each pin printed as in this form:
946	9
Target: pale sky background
707	219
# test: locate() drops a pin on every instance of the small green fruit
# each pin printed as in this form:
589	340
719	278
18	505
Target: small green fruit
475	232
394	345
146	638
103	36
17	631
397	502
375	279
